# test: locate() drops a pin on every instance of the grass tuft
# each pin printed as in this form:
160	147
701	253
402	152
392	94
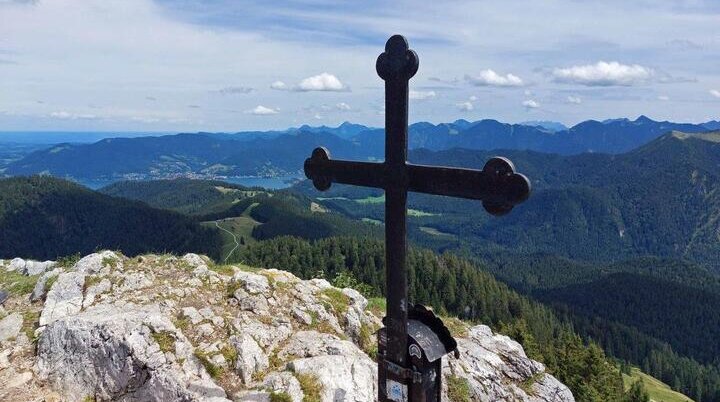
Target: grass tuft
165	339
311	387
16	283
214	371
458	389
68	261
280	397
336	299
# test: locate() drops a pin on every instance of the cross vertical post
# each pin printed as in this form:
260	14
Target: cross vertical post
411	345
396	66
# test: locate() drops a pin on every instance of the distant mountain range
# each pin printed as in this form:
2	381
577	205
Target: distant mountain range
283	152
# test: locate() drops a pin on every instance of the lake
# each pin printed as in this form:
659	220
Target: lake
271	183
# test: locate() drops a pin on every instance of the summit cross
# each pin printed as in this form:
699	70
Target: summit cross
497	185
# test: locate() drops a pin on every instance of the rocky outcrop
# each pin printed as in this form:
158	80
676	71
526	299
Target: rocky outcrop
160	328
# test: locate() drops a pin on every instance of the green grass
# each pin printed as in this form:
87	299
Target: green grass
658	390
166	340
280	397
16	283
30	323
311	387
372	221
377	306
336	299
458	389
418	213
214	371
68	261
435	232
241	227
371	200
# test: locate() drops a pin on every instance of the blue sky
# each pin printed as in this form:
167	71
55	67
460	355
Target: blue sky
189	65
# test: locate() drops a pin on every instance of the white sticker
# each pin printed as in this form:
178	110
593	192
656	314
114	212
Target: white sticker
414	350
396	391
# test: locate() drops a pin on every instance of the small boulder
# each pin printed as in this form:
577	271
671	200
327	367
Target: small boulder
65	298
253	283
95	262
250	357
10	326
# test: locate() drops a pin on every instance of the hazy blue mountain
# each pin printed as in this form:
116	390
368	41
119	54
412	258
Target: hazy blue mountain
712	125
611	136
275	153
182	154
552	126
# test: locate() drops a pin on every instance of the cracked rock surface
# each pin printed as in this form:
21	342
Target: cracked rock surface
166	328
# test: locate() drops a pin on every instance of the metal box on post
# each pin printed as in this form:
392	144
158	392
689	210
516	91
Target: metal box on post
428	341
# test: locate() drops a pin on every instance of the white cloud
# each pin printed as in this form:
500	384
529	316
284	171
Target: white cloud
715	93
465	106
663	98
321	82
603	74
261	110
491	78
421	95
342	106
472	98
279	85
574	99
236	90
72	116
531	104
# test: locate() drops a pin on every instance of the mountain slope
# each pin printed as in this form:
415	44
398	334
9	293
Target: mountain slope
661	199
182	195
44	218
182	154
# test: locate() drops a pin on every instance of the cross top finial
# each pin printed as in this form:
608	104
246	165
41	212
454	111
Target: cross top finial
398	62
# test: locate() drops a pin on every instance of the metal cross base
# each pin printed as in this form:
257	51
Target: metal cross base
413	340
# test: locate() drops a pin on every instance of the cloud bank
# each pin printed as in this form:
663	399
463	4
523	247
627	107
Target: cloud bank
603	74
491	78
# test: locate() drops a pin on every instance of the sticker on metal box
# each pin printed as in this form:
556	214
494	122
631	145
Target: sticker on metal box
396	391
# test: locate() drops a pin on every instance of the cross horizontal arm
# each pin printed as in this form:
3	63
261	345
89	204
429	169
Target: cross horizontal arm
323	171
497	185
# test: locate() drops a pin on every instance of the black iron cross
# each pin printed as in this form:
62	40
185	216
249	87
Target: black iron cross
497	185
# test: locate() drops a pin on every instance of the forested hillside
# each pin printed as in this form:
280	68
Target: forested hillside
45	218
183	195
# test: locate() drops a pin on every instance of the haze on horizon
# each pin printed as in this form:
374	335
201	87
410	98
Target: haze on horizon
188	65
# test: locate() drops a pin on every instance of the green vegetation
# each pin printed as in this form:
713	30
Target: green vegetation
336	299
311	387
458	389
214	371
44	218
31	321
183	195
165	340
280	397
640	385
68	261
16	283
